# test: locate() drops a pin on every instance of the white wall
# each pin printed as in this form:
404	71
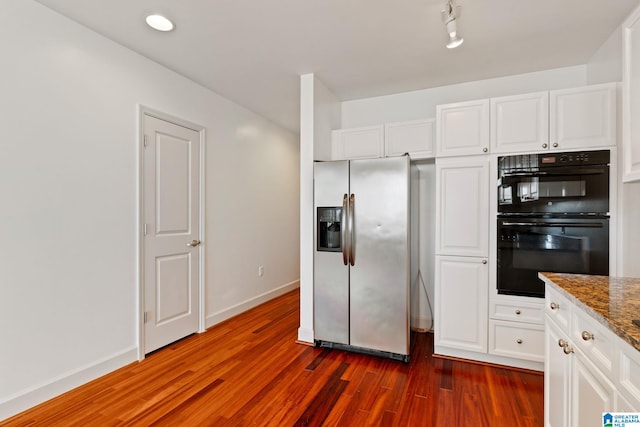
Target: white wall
421	104
606	63
423	281
68	217
319	114
327	116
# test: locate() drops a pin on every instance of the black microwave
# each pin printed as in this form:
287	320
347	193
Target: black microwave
554	183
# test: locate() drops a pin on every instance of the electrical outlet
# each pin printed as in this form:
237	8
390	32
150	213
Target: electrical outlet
260	271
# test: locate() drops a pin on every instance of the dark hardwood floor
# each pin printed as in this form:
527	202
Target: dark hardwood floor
248	371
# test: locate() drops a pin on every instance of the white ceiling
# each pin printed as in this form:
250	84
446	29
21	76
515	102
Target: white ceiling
253	51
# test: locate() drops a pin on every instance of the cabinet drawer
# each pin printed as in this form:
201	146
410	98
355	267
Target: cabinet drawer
516	340
557	307
517	312
595	340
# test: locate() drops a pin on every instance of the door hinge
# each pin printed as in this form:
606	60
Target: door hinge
146	140
146	316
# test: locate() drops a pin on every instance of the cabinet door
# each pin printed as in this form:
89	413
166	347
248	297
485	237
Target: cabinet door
414	137
629	371
592	393
462	128
358	143
557	371
461	306
520	123
462	206
583	117
622	405
631	96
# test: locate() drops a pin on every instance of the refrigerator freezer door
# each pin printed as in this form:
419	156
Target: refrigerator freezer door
330	274
379	279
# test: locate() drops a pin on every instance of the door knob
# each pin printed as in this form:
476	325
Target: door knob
193	243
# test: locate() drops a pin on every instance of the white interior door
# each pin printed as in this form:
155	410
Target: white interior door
171	232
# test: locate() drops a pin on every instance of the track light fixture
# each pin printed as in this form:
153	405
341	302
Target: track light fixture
449	15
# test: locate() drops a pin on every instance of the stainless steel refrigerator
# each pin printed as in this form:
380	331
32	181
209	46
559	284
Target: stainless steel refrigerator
361	261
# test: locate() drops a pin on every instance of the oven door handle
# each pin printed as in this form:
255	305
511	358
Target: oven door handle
556	172
553	224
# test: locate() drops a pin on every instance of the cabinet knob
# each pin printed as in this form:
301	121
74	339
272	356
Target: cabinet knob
586	335
555	145
519	341
545	145
554	306
562	343
518	312
485	149
567	349
484	261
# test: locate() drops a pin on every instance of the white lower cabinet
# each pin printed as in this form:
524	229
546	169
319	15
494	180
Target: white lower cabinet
517	340
629	375
516	328
461	303
576	392
557	370
588	368
623	405
592	393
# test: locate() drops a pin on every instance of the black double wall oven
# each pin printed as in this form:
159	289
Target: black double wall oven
553	215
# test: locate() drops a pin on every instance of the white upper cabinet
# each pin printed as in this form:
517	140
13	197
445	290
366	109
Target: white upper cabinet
631	97
520	123
414	137
393	139
462	128
358	143
583	117
462	206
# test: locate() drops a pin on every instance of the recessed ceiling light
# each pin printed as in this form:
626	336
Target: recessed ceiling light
159	22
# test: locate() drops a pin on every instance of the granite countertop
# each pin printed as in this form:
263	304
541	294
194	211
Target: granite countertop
613	301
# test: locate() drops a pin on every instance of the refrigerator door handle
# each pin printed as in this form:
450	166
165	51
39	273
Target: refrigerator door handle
352	240
343	230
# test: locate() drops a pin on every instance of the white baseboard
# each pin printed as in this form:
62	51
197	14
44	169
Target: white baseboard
228	313
488	358
26	399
